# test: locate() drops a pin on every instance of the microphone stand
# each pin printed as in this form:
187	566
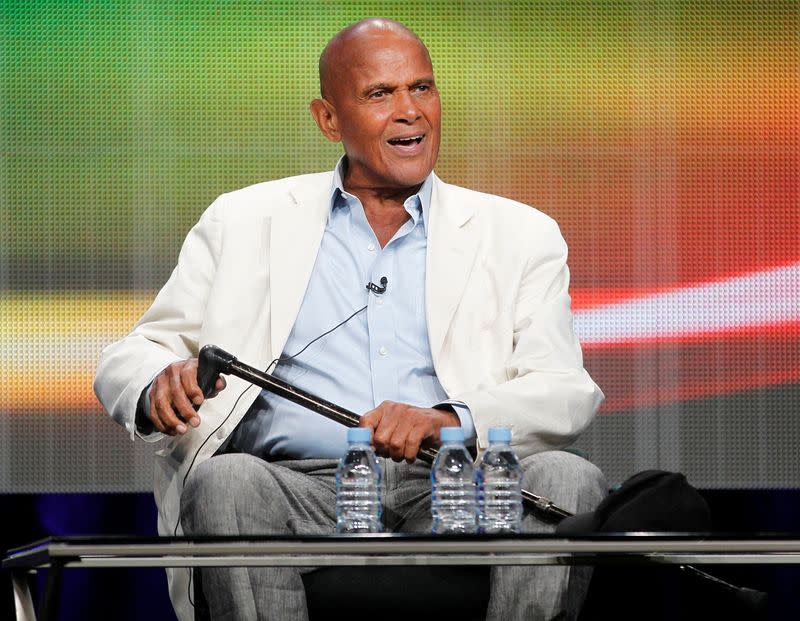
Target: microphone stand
213	361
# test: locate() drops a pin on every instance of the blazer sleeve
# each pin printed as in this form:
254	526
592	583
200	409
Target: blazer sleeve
548	398
169	331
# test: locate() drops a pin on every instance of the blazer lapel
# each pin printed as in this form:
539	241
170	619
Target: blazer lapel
453	241
295	236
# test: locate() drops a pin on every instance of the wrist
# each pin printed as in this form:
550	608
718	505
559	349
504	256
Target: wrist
447	413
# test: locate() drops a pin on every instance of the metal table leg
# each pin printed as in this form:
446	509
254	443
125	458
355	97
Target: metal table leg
52	592
23	603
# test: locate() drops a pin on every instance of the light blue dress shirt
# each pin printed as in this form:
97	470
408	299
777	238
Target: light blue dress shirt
381	354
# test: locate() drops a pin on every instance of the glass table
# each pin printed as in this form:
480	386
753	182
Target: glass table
59	553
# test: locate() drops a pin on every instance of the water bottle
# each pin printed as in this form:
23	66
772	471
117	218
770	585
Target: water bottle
358	486
454	502
500	485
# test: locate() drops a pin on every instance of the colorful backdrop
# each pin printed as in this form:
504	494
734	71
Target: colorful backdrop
662	136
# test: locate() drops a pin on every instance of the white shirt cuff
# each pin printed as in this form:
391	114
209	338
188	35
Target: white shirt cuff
465	416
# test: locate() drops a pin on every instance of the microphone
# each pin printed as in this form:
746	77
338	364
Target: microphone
371	286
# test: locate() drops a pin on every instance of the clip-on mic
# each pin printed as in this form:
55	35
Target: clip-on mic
371	286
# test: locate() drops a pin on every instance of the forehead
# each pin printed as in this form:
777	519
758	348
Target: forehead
383	58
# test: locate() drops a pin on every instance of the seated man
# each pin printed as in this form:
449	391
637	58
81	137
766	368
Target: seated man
464	320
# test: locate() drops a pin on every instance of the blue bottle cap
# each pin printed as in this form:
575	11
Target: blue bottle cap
451	434
499	434
362	435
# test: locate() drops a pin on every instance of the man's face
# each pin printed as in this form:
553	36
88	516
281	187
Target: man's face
386	110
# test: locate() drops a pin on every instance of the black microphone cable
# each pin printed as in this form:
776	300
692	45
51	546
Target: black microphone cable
311	342
371	286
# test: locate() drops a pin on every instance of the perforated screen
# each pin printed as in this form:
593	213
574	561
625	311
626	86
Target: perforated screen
662	136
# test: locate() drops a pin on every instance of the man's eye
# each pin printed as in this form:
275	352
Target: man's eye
423	87
377	94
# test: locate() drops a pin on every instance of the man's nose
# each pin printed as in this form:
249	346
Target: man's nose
405	107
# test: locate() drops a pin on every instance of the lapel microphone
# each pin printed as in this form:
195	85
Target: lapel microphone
381	288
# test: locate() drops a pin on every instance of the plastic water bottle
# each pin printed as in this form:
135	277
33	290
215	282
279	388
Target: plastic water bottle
358	486
454	502
500	485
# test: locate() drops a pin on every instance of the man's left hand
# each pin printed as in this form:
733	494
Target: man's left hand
398	429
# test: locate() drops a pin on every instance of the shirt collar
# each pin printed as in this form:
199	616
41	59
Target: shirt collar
421	198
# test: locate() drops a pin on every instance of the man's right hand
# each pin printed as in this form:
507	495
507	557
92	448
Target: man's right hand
172	395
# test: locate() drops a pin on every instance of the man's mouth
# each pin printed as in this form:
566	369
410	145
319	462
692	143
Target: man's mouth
407	141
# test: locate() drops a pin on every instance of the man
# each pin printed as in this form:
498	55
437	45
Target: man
467	322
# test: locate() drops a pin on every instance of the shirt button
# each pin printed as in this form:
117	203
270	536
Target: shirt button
379	301
383	351
371	247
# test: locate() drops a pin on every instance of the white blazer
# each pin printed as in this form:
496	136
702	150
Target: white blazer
498	314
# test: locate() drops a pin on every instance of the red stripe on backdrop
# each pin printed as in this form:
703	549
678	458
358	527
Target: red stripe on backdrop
649	374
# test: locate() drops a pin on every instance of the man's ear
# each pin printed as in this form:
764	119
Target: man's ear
325	115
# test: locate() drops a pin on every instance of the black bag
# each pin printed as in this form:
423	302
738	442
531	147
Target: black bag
650	501
658	501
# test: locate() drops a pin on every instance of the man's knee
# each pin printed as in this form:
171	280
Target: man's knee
222	494
566	476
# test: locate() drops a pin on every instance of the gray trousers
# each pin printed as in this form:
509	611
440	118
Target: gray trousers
240	494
